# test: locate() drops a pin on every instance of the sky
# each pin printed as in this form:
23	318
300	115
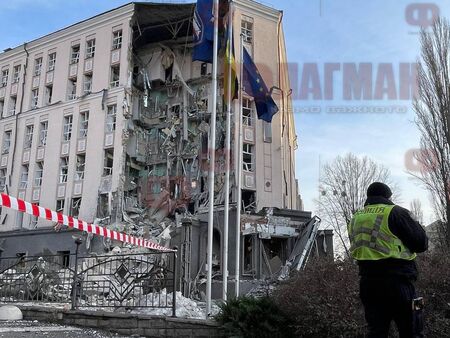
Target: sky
378	38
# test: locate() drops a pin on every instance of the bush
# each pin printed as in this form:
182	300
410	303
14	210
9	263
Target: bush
253	317
323	300
433	285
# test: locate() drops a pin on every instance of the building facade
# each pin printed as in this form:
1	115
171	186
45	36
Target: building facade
108	120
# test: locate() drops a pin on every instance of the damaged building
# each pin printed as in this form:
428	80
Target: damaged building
108	120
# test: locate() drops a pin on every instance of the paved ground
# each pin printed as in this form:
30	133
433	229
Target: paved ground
27	329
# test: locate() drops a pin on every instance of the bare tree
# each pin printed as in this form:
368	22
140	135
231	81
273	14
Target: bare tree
415	208
432	107
343	186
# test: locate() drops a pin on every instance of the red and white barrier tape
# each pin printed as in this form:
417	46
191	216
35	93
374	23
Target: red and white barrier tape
35	210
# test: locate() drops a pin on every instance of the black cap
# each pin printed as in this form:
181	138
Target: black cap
379	189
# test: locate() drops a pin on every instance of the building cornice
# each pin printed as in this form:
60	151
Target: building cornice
77	28
259	9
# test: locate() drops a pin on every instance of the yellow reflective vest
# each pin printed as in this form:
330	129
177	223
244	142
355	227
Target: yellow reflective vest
370	236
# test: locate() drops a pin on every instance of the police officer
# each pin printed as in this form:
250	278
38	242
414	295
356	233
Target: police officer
384	239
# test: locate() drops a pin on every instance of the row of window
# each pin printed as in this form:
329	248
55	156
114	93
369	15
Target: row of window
51	61
80	164
110	126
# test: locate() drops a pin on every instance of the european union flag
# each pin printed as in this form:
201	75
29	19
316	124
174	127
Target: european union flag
254	86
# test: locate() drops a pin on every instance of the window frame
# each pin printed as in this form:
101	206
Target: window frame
247	30
75	54
248	150
83	124
67	128
23	184
111	119
51	62
38	178
63	170
114	76
28	139
90	48
34	98
117	40
43	133
5	77
7	135
37	70
16	73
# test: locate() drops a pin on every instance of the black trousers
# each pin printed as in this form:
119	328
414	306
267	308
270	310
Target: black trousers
390	299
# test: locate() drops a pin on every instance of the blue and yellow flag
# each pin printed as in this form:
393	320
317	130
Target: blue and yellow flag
230	61
254	86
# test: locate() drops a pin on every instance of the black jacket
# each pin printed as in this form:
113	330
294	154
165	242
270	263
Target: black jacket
409	231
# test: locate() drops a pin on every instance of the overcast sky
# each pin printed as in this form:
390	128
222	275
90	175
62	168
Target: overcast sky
321	36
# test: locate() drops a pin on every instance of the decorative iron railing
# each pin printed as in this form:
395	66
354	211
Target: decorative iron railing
145	280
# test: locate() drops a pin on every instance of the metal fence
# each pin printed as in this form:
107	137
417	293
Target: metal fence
97	281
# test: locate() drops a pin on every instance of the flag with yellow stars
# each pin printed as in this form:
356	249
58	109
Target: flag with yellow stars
254	86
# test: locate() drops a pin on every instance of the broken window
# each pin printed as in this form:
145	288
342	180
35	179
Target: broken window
175	110
75	54
247	112
108	162
248	266
117	39
34	98
33	221
24	177
111	118
247	157
79	170
6	142
16	74
43	133
51	61
204	69
12	105
90	48
115	75
249	201
75	207
5	74
37	66
2	179
63	169
48	94
64	258
28	136
72	89
38	174
87	84
60	206
103	206
67	131
247	30
84	124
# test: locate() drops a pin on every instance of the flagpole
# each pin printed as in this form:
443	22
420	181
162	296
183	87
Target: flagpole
212	158
239	171
227	157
